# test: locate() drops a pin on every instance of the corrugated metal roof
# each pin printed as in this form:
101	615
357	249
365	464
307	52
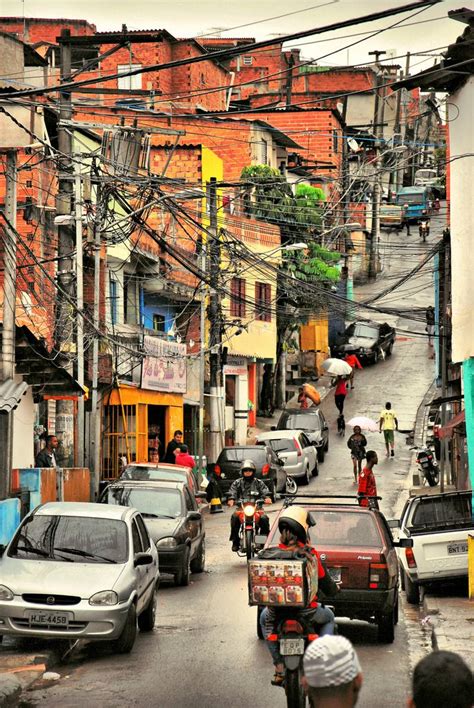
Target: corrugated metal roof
11	394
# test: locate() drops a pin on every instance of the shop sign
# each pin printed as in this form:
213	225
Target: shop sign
164	366
237	369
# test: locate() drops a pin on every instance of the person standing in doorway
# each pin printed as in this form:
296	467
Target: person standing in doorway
173	447
357	444
367	486
340	393
46	457
388	423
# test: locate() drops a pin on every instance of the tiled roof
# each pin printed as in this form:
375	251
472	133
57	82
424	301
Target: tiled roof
11	394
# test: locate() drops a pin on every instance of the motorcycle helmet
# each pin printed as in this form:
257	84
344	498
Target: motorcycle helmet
248	465
295	519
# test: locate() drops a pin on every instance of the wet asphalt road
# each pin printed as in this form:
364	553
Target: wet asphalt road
204	650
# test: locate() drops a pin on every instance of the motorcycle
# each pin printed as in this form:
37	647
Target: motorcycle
428	465
424	229
249	512
294	636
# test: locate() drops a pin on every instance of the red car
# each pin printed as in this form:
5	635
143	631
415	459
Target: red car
357	547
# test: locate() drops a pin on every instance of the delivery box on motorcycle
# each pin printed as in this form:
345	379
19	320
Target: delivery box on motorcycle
282	581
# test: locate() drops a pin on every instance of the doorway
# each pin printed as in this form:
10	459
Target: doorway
156	432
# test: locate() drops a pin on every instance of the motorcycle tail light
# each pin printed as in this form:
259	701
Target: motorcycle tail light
272	637
293	626
378	576
249	510
265	469
298	449
312	637
410	556
217	470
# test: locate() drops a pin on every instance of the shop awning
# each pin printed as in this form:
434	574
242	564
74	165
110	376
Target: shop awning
447	430
11	394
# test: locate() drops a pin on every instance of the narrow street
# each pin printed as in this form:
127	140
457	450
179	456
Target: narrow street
204	649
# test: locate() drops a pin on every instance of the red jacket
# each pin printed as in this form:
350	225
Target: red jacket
367	485
185	460
353	361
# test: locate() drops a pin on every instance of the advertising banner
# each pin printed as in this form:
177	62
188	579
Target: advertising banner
164	366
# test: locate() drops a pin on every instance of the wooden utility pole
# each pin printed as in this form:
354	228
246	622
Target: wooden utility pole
376	196
8	325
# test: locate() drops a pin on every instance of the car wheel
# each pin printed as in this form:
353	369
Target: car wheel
124	643
146	621
197	564
326	447
182	577
305	479
386	627
389	349
259	628
402	578
272	492
412	591
396	611
315	470
291	487
321	454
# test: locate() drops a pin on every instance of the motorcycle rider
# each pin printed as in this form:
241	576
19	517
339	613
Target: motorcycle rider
293	524
424	224
243	488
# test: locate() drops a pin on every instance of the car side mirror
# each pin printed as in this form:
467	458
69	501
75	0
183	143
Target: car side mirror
404	543
142	559
393	523
194	516
273	427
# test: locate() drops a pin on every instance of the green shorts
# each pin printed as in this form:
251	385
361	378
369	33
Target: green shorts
389	436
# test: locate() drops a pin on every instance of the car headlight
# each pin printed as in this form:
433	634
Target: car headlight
105	597
168	542
5	593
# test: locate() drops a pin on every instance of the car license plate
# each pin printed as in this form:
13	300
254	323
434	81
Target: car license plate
460	547
335	574
291	647
58	619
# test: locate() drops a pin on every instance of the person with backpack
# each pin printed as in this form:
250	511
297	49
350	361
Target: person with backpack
293	524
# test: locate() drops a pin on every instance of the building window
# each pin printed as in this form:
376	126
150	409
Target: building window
158	323
113	301
129	82
237	297
263	297
247	61
264	152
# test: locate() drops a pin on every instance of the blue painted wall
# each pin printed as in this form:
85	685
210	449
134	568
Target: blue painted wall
9	519
152	306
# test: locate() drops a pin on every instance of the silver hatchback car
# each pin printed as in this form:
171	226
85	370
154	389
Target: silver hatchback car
79	571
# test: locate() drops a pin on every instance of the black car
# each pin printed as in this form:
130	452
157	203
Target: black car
312	421
369	341
269	467
173	520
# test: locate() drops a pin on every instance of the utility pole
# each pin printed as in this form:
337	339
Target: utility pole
78	206
376	196
215	332
8	326
202	359
443	334
402	109
94	430
64	314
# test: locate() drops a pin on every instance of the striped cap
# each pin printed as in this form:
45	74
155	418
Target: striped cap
330	661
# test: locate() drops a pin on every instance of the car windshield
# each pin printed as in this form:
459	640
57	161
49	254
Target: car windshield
144	474
417	198
285	445
156	502
301	422
237	454
335	528
363	330
79	539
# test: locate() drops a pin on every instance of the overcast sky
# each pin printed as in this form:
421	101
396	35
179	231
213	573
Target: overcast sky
248	18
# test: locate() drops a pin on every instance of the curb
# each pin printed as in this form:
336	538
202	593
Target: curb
10	690
17	679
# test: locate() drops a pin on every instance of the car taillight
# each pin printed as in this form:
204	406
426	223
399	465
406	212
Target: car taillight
378	576
217	470
265	469
292	626
410	556
298	448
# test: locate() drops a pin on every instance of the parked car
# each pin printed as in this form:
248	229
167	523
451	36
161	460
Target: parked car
370	341
173	521
357	547
160	472
312	422
438	525
79	571
227	467
298	453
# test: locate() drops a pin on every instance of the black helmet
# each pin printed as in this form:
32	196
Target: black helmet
296	520
248	465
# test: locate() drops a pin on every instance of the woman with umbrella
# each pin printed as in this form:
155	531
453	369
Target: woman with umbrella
357	444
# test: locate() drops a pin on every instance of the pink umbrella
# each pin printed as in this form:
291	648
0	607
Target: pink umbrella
364	423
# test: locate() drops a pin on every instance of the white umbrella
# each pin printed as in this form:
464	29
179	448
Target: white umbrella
364	423
336	367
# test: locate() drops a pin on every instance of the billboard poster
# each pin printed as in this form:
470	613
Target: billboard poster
164	366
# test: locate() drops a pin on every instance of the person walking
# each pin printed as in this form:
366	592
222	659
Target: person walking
367	487
353	361
430	324
46	457
340	393
173	447
332	673
388	423
357	444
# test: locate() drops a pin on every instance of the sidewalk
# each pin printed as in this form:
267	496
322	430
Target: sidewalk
19	669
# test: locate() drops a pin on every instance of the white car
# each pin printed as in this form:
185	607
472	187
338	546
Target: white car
295	449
